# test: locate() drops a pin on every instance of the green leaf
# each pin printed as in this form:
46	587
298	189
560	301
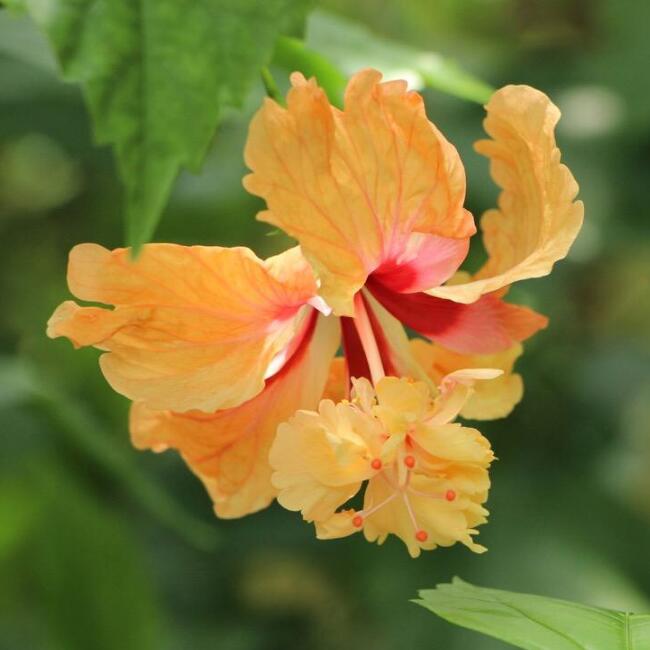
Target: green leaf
292	54
535	622
156	75
350	47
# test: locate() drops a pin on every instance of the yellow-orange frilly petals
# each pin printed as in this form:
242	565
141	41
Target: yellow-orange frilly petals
228	449
352	185
489	400
538	218
193	327
427	477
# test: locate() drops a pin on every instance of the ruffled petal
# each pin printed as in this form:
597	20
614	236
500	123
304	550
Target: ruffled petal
193	327
352	185
538	218
489	400
228	450
445	523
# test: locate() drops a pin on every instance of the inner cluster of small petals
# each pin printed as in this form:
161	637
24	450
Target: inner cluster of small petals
425	478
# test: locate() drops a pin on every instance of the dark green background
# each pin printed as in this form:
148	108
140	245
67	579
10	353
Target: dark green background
102	547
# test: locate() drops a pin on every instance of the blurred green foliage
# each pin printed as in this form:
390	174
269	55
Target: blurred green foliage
105	547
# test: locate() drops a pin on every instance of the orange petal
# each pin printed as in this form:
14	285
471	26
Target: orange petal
537	219
489	399
228	450
352	185
193	327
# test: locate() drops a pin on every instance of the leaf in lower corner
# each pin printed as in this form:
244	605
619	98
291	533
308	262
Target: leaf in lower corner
156	74
534	622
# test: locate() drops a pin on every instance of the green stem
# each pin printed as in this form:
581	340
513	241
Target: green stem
270	86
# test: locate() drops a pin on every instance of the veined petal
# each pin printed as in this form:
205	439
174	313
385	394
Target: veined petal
486	326
228	450
352	185
193	327
537	219
489	400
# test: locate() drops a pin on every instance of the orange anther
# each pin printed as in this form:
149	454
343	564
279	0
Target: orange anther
421	536
357	521
450	495
376	463
409	461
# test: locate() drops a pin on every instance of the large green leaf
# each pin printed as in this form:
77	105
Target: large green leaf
156	75
351	46
535	622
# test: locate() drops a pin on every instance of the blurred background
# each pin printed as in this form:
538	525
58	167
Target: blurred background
103	547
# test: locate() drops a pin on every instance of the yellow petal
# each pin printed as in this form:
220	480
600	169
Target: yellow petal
315	470
352	185
193	327
454	443
488	400
537	219
337	526
445	523
321	458
229	449
401	402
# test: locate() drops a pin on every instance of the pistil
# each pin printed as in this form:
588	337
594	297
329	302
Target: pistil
403	491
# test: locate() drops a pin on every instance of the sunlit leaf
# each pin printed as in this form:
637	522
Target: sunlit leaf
535	622
350	47
156	76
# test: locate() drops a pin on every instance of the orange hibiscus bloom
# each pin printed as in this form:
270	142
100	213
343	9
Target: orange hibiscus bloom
217	347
